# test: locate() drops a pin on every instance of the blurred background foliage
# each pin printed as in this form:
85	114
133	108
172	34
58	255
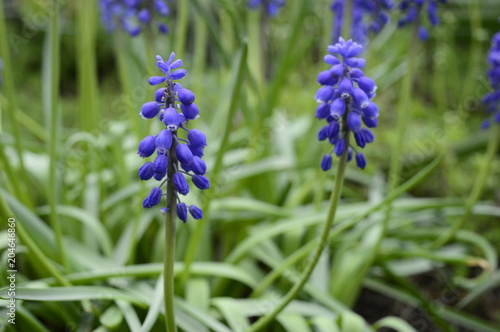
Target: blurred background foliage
270	195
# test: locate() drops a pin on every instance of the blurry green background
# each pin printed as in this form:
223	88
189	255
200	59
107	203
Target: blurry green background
270	177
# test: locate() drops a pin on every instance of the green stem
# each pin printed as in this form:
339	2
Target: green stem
478	188
169	257
302	252
8	79
129	107
87	80
121	53
181	27
195	239
200	54
323	242
403	114
255	63
54	97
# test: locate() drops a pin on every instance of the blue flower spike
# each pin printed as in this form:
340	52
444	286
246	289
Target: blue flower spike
367	16
272	6
492	98
415	10
176	158
346	103
133	16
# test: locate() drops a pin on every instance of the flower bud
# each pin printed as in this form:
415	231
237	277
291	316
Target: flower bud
181	184
184	154
147	146
201	182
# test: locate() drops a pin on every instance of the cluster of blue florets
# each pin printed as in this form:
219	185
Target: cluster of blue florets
272	6
492	99
367	16
345	97
411	9
168	146
133	15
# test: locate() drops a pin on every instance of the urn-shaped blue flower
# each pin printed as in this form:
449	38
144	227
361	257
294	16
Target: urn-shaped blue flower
345	102
176	158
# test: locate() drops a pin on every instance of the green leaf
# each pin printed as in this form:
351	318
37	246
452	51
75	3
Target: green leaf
232	313
394	323
349	321
88	220
111	318
293	322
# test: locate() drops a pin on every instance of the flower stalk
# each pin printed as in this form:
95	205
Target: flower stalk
323	241
169	256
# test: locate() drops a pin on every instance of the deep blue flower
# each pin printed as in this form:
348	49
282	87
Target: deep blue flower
181	154
360	160
184	154
146	171
153	199
196	212
346	104
134	15
160	164
366	16
147	146
190	111
201	182
181	184
163	141
197	139
415	10
186	96
492	98
272	6
150	110
198	166
326	163
182	212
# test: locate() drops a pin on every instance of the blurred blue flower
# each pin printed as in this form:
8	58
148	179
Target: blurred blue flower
183	155
1	69
414	11
133	15
367	16
492	99
272	6
345	102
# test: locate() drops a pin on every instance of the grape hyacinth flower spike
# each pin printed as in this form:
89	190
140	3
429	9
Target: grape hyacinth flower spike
272	6
345	102
412	9
492	99
368	16
176	158
134	15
